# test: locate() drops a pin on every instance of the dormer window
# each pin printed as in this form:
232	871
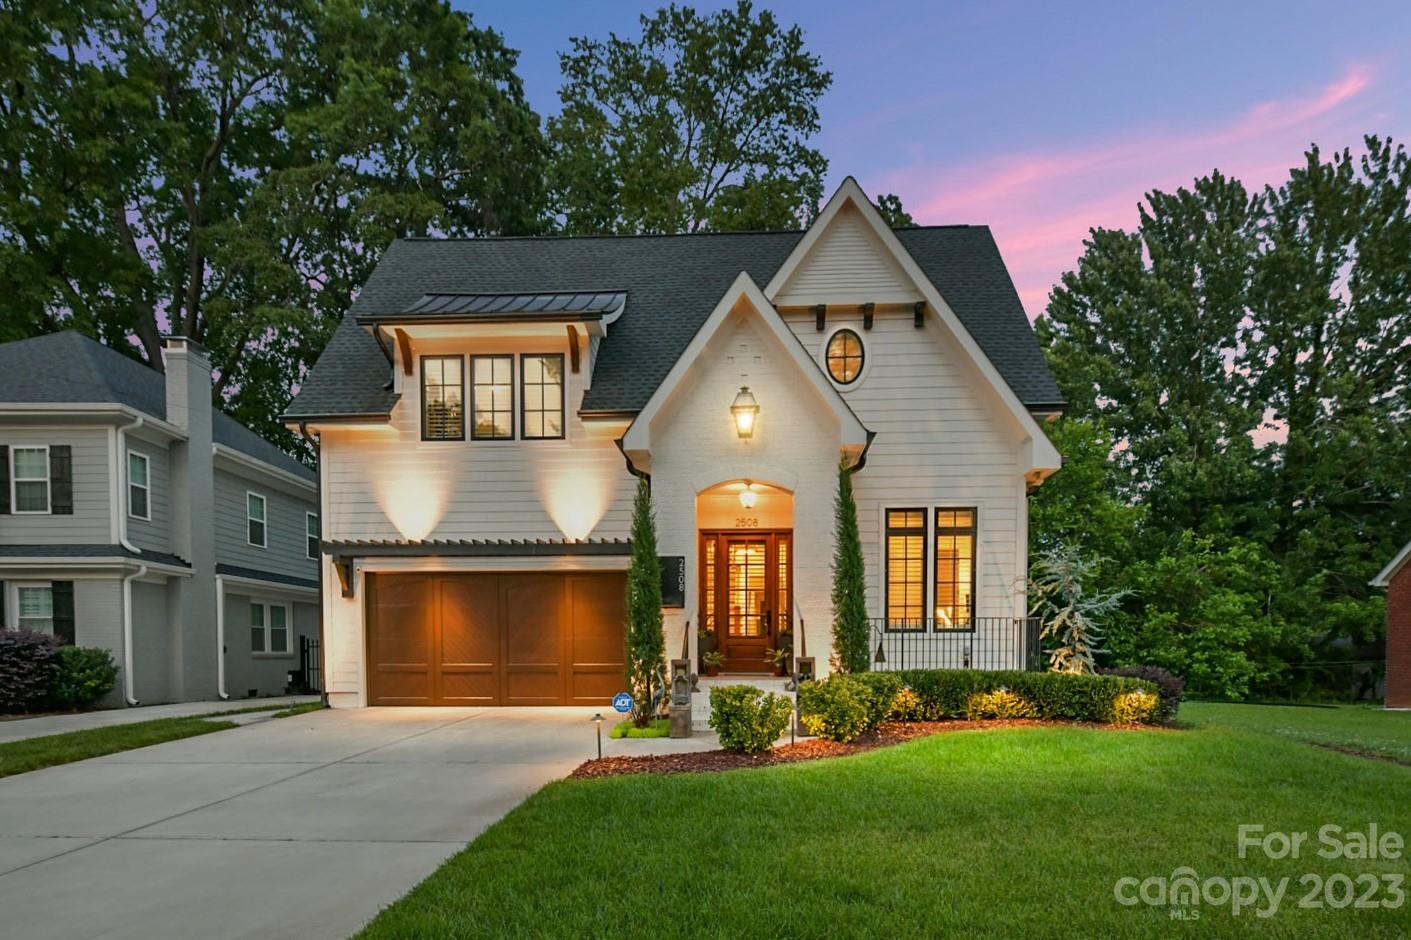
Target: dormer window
541	391
844	357
442	398
492	398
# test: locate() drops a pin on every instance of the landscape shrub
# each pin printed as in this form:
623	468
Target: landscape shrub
906	706
1137	707
747	719
1001	703
881	690
946	693
838	708
82	676
1169	686
26	669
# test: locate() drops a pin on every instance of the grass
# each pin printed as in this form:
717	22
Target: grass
1358	727
17	757
657	728
998	833
302	709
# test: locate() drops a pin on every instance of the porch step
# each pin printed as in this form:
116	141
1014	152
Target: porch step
700	702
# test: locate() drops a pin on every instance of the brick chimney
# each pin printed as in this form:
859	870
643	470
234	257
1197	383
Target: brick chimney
192	511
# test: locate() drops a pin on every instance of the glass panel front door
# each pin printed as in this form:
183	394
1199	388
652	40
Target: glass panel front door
746	595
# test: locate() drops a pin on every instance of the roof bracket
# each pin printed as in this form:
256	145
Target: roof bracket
819	311
918	314
867	309
404	345
343	565
573	352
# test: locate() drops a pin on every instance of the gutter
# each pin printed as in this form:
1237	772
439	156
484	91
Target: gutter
862	457
129	687
631	467
318	501
220	639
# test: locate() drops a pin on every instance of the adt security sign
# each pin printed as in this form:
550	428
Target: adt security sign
622	702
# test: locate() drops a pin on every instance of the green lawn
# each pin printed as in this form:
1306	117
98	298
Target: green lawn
1361	727
17	757
1007	833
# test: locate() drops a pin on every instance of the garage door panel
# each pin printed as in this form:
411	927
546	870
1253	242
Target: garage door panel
597	616
470	621
401	643
470	685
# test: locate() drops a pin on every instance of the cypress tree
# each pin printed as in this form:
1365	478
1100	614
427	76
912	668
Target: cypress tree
646	646
851	631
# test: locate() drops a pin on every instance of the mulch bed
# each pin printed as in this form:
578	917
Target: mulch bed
892	732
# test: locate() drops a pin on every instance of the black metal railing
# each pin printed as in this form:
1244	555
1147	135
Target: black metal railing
309	679
980	643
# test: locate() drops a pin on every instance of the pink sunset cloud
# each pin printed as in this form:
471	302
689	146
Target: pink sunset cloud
1041	205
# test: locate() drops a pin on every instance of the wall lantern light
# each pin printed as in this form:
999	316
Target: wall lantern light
749	495
744	410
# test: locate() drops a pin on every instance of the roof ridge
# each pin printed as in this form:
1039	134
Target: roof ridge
566	237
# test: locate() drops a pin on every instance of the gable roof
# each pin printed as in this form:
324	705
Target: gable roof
69	367
1383	578
672	282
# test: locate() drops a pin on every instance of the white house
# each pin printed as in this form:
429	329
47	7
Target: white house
485	408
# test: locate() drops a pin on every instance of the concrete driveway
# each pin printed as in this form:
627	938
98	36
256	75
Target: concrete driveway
300	827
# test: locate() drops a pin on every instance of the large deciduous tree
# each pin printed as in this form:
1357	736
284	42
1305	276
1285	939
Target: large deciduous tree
701	124
231	170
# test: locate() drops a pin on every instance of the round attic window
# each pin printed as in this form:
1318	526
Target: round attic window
844	357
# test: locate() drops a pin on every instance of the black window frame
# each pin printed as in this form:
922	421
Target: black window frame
888	530
460	359
563	399
973	531
828	356
470	379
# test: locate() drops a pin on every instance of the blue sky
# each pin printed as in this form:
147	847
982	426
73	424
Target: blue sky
1042	119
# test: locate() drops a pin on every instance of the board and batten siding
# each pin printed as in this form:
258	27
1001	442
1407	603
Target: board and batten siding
942	440
152	534
390	484
90	522
285	550
848	265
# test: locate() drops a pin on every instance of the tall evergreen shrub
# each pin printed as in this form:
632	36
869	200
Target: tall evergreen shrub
646	645
851	632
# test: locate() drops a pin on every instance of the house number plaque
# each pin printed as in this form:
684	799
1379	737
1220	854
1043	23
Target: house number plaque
673	580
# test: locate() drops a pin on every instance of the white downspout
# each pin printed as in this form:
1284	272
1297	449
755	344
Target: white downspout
129	688
220	638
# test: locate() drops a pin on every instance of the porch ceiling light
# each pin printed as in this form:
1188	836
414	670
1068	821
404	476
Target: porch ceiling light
744	410
749	495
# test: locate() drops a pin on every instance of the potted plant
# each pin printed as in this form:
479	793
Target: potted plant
713	661
779	659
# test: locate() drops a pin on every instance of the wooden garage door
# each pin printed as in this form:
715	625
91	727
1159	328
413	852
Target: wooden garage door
495	639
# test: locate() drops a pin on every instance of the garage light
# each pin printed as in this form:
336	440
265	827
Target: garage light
744	410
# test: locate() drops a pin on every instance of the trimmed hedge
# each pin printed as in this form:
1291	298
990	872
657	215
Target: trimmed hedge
26	669
82	675
842	707
1169	686
747	719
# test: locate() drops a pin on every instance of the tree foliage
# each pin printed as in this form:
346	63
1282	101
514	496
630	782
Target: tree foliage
1071	608
231	171
892	212
646	644
1249	357
701	124
851	629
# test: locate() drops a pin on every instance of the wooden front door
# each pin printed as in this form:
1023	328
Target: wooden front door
495	639
746	595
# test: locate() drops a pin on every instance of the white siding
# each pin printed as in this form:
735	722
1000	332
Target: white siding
848	265
942	441
390	484
90	523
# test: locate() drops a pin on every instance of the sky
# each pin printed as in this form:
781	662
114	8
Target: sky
1044	119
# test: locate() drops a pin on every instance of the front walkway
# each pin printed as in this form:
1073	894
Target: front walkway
301	827
19	729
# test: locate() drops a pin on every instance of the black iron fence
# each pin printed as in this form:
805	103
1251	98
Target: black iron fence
983	643
309	679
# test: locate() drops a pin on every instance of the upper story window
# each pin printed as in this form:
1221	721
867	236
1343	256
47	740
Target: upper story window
541	395
442	398
906	569
255	519
138	490
29	479
844	356
955	568
492	398
311	534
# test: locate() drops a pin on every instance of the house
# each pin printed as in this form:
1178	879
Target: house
1396	578
136	517
487	405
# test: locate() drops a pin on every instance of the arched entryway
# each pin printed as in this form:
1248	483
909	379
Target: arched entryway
745	573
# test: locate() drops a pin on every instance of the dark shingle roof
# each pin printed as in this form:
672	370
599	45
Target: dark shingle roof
672	284
70	367
273	577
90	551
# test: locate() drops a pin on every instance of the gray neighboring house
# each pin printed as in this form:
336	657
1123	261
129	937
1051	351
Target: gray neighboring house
136	517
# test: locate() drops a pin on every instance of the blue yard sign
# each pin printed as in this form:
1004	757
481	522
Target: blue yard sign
622	702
